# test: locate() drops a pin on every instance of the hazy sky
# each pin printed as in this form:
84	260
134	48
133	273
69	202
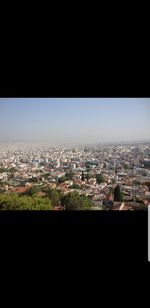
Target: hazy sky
74	120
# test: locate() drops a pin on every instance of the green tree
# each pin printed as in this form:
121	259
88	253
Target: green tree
2	170
13	170
60	193
63	199
136	182
75	186
54	197
87	176
83	177
148	184
118	196
15	202
85	202
62	179
99	179
32	191
73	201
69	175
41	204
45	176
87	166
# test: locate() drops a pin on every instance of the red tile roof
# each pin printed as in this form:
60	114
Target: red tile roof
41	194
20	189
58	208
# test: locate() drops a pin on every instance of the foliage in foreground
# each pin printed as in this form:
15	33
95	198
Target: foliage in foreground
15	202
118	195
30	201
73	201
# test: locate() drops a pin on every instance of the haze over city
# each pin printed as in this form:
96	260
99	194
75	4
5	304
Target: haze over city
74	120
72	154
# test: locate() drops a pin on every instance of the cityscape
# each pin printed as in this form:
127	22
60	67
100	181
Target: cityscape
50	167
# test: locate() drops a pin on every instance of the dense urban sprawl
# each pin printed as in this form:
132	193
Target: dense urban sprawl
98	177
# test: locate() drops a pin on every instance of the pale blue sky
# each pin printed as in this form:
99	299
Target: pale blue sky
74	120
